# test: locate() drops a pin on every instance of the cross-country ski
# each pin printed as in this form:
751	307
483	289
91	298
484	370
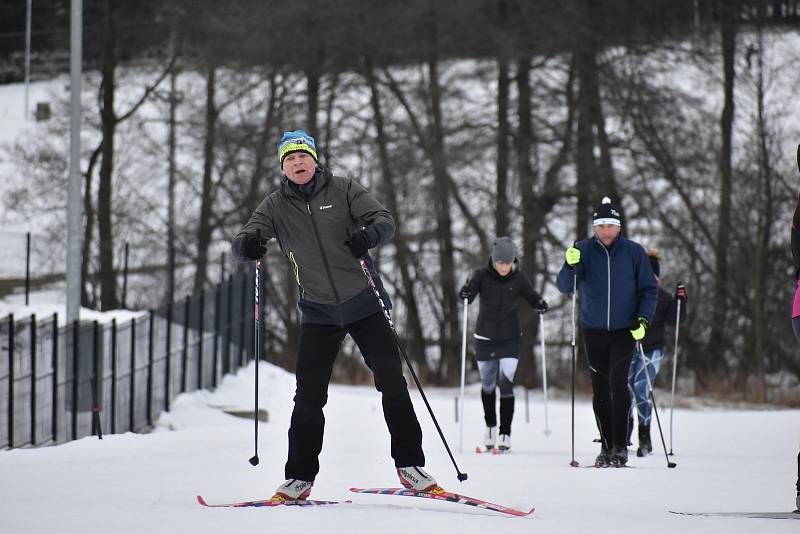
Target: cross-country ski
441	494
271	502
750	515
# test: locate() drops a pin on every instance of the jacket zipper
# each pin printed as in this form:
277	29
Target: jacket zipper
325	262
608	294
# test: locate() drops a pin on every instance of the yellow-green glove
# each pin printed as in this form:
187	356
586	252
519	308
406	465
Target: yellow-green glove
573	256
639	329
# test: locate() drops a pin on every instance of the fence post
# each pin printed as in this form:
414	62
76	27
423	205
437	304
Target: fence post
75	383
97	427
168	365
33	379
11	342
222	268
114	375
132	400
150	355
27	267
215	364
55	378
200	330
185	352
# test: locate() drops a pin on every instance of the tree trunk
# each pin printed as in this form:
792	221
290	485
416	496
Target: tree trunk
606	169
501	207
88	229
531	217
584	159
416	340
717	343
449	333
169	298
108	280
204	226
763	232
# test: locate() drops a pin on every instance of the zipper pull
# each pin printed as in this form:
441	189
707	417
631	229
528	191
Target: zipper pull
308	206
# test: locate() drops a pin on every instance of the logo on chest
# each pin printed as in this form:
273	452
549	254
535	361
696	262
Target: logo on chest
325	207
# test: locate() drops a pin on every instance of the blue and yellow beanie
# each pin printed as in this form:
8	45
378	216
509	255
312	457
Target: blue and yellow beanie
296	141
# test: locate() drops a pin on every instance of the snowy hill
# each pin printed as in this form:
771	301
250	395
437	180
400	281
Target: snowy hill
727	461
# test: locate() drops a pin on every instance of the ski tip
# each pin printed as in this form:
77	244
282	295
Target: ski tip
478	450
201	500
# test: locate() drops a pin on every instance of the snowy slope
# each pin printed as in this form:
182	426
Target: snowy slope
727	461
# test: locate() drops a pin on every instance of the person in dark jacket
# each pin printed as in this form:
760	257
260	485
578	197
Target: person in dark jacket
324	226
653	345
795	245
497	333
618	295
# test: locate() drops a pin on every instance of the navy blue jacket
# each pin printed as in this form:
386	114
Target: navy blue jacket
616	285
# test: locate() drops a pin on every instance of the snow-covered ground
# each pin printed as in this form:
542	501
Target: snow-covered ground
727	461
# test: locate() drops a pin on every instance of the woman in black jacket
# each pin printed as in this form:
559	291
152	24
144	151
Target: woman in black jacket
497	333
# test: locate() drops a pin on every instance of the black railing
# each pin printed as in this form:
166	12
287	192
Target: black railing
63	382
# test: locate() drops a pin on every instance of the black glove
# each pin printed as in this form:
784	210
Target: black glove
542	307
358	244
466	292
680	292
255	246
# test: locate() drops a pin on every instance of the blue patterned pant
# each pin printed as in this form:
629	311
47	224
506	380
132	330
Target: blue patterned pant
637	382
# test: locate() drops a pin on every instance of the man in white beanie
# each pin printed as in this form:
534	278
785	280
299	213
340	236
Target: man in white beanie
618	296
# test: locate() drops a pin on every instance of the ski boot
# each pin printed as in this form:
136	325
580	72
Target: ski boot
619	457
505	442
490	438
645	445
603	459
416	478
293	490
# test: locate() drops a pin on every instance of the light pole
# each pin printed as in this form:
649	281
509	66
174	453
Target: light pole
27	56
75	206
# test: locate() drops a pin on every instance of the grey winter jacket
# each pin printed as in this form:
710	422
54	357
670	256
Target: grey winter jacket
311	231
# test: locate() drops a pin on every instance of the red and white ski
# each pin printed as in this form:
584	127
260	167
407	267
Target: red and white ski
269	502
494	450
440	494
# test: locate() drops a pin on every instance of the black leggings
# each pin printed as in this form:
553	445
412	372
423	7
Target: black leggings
319	346
796	328
609	354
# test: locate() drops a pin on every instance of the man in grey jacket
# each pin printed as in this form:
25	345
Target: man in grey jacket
324	224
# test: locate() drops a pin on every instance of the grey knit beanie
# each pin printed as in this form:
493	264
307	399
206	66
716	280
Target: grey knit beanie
504	250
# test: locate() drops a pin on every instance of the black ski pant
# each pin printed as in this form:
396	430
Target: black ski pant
609	353
319	346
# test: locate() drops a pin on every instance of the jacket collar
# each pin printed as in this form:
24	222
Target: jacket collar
321	178
614	244
496	275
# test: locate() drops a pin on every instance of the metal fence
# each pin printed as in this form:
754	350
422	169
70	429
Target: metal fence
63	382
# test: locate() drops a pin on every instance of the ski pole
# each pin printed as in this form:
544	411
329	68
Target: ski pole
461	476
257	354
674	374
544	373
573	463
646	363
463	376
